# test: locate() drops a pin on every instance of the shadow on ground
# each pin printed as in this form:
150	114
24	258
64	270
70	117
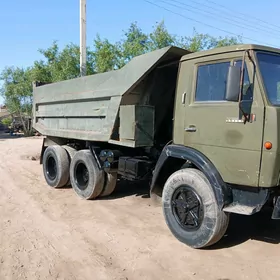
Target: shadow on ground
241	228
258	227
127	188
4	136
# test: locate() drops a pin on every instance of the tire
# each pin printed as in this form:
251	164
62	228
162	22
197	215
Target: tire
87	179
110	184
210	224
56	165
71	152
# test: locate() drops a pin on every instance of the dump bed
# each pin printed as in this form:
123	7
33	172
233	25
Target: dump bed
112	107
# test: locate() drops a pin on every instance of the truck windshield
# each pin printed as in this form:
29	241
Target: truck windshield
269	64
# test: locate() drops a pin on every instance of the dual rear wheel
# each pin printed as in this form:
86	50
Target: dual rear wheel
63	165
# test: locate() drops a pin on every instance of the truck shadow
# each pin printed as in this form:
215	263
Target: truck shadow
241	228
127	188
5	136
258	227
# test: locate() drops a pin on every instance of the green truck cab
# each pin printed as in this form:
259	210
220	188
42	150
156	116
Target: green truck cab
201	127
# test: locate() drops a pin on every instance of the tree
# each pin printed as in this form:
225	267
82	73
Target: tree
199	41
110	56
160	37
106	56
7	121
17	92
134	43
60	65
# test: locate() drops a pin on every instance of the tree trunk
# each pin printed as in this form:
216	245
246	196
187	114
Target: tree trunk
23	124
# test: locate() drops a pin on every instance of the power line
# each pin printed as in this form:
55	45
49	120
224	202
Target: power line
233	13
200	22
227	19
247	15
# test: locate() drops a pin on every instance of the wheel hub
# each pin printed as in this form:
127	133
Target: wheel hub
82	176
187	208
51	168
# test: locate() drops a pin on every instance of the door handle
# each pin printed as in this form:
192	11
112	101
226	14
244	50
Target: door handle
184	97
191	128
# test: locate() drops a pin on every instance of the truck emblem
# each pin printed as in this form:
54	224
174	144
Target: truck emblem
252	118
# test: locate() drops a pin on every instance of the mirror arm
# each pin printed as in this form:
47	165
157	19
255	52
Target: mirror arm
246	118
249	53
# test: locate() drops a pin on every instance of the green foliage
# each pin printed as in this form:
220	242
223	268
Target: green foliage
109	56
17	89
58	65
106	56
134	43
198	42
160	37
7	121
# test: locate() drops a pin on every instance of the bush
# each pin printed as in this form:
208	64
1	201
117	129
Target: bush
7	121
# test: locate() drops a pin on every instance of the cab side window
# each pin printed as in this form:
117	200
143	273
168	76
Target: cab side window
211	82
247	94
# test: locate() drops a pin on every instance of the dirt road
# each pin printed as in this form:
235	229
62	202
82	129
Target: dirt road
52	234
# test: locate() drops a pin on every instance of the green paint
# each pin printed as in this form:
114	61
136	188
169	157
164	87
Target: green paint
88	108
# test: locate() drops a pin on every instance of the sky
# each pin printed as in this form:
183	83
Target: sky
26	26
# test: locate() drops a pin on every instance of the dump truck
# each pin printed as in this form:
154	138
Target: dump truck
201	128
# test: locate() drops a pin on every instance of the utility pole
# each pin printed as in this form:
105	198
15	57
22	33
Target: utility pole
83	50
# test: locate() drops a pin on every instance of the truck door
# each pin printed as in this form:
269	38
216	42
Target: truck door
214	126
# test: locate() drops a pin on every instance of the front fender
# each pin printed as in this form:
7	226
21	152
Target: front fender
182	153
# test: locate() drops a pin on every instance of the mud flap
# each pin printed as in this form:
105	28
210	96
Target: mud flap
276	210
42	151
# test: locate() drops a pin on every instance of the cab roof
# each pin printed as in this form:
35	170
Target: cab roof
227	49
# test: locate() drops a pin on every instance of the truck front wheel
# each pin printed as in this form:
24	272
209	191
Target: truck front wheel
191	211
87	179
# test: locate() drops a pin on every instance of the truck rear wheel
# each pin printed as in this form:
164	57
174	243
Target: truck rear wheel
110	184
191	211
71	152
56	166
87	179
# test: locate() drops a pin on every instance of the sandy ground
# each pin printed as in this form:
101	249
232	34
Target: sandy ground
52	234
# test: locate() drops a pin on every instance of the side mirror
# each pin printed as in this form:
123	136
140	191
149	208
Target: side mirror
233	83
